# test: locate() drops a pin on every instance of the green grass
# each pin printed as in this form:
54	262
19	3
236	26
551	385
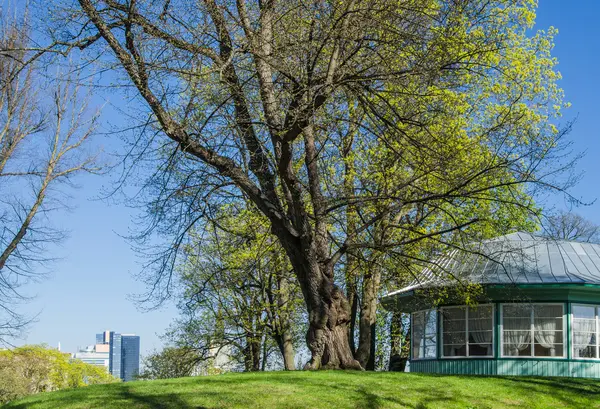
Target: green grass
327	389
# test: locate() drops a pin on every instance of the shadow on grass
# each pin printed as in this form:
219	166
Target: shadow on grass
567	392
570	392
562	389
169	401
123	397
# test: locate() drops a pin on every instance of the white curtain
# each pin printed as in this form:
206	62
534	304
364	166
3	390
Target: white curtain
545	333
583	333
547	320
517	328
480	326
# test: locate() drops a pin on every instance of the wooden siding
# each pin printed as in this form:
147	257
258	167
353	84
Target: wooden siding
511	367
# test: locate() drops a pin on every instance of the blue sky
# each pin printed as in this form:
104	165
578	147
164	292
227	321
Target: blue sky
89	288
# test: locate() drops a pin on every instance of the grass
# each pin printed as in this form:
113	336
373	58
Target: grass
327	389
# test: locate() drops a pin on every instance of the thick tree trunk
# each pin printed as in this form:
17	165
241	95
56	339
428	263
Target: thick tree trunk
327	336
327	307
368	317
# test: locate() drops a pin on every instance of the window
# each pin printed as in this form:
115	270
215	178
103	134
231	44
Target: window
467	331
424	334
585	331
532	330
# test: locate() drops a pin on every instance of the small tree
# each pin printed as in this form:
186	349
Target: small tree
171	362
238	292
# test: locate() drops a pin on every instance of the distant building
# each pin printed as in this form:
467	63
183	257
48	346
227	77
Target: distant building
123	352
90	355
103	338
114	365
130	357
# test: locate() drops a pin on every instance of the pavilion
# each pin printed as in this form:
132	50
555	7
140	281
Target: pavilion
537	312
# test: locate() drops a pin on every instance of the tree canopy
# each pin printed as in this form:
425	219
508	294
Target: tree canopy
33	369
361	130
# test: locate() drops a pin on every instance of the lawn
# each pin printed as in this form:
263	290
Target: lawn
327	389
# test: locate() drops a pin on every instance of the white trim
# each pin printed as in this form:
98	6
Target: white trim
532	344
467	308
597	321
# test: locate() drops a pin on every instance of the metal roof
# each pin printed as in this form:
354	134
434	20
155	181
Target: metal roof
517	258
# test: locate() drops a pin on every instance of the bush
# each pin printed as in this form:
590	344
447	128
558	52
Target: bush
35	368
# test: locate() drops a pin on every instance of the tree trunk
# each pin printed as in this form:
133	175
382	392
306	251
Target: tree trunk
396	333
265	353
373	347
252	353
284	337
327	307
351	222
289	355
286	347
256	352
327	336
353	300
399	343
368	316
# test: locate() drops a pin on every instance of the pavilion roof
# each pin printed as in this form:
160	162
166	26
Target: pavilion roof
517	258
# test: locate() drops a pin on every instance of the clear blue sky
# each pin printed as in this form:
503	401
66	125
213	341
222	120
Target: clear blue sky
88	290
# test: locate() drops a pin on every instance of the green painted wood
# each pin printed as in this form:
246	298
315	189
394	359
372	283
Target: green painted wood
509	367
568	329
577	293
497	333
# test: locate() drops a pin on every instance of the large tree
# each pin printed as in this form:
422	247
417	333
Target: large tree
447	103
44	132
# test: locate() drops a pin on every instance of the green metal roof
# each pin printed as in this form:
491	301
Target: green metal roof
517	258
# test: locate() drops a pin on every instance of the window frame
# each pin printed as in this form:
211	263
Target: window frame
565	353
572	332
412	338
467	356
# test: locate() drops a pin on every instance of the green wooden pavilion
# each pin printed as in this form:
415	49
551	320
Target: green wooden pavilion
537	312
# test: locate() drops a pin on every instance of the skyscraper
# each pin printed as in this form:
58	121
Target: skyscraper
114	360
130	357
124	355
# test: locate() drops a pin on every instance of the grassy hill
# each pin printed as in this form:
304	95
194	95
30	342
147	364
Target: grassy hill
327	389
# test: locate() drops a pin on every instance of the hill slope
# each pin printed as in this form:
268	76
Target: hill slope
326	389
